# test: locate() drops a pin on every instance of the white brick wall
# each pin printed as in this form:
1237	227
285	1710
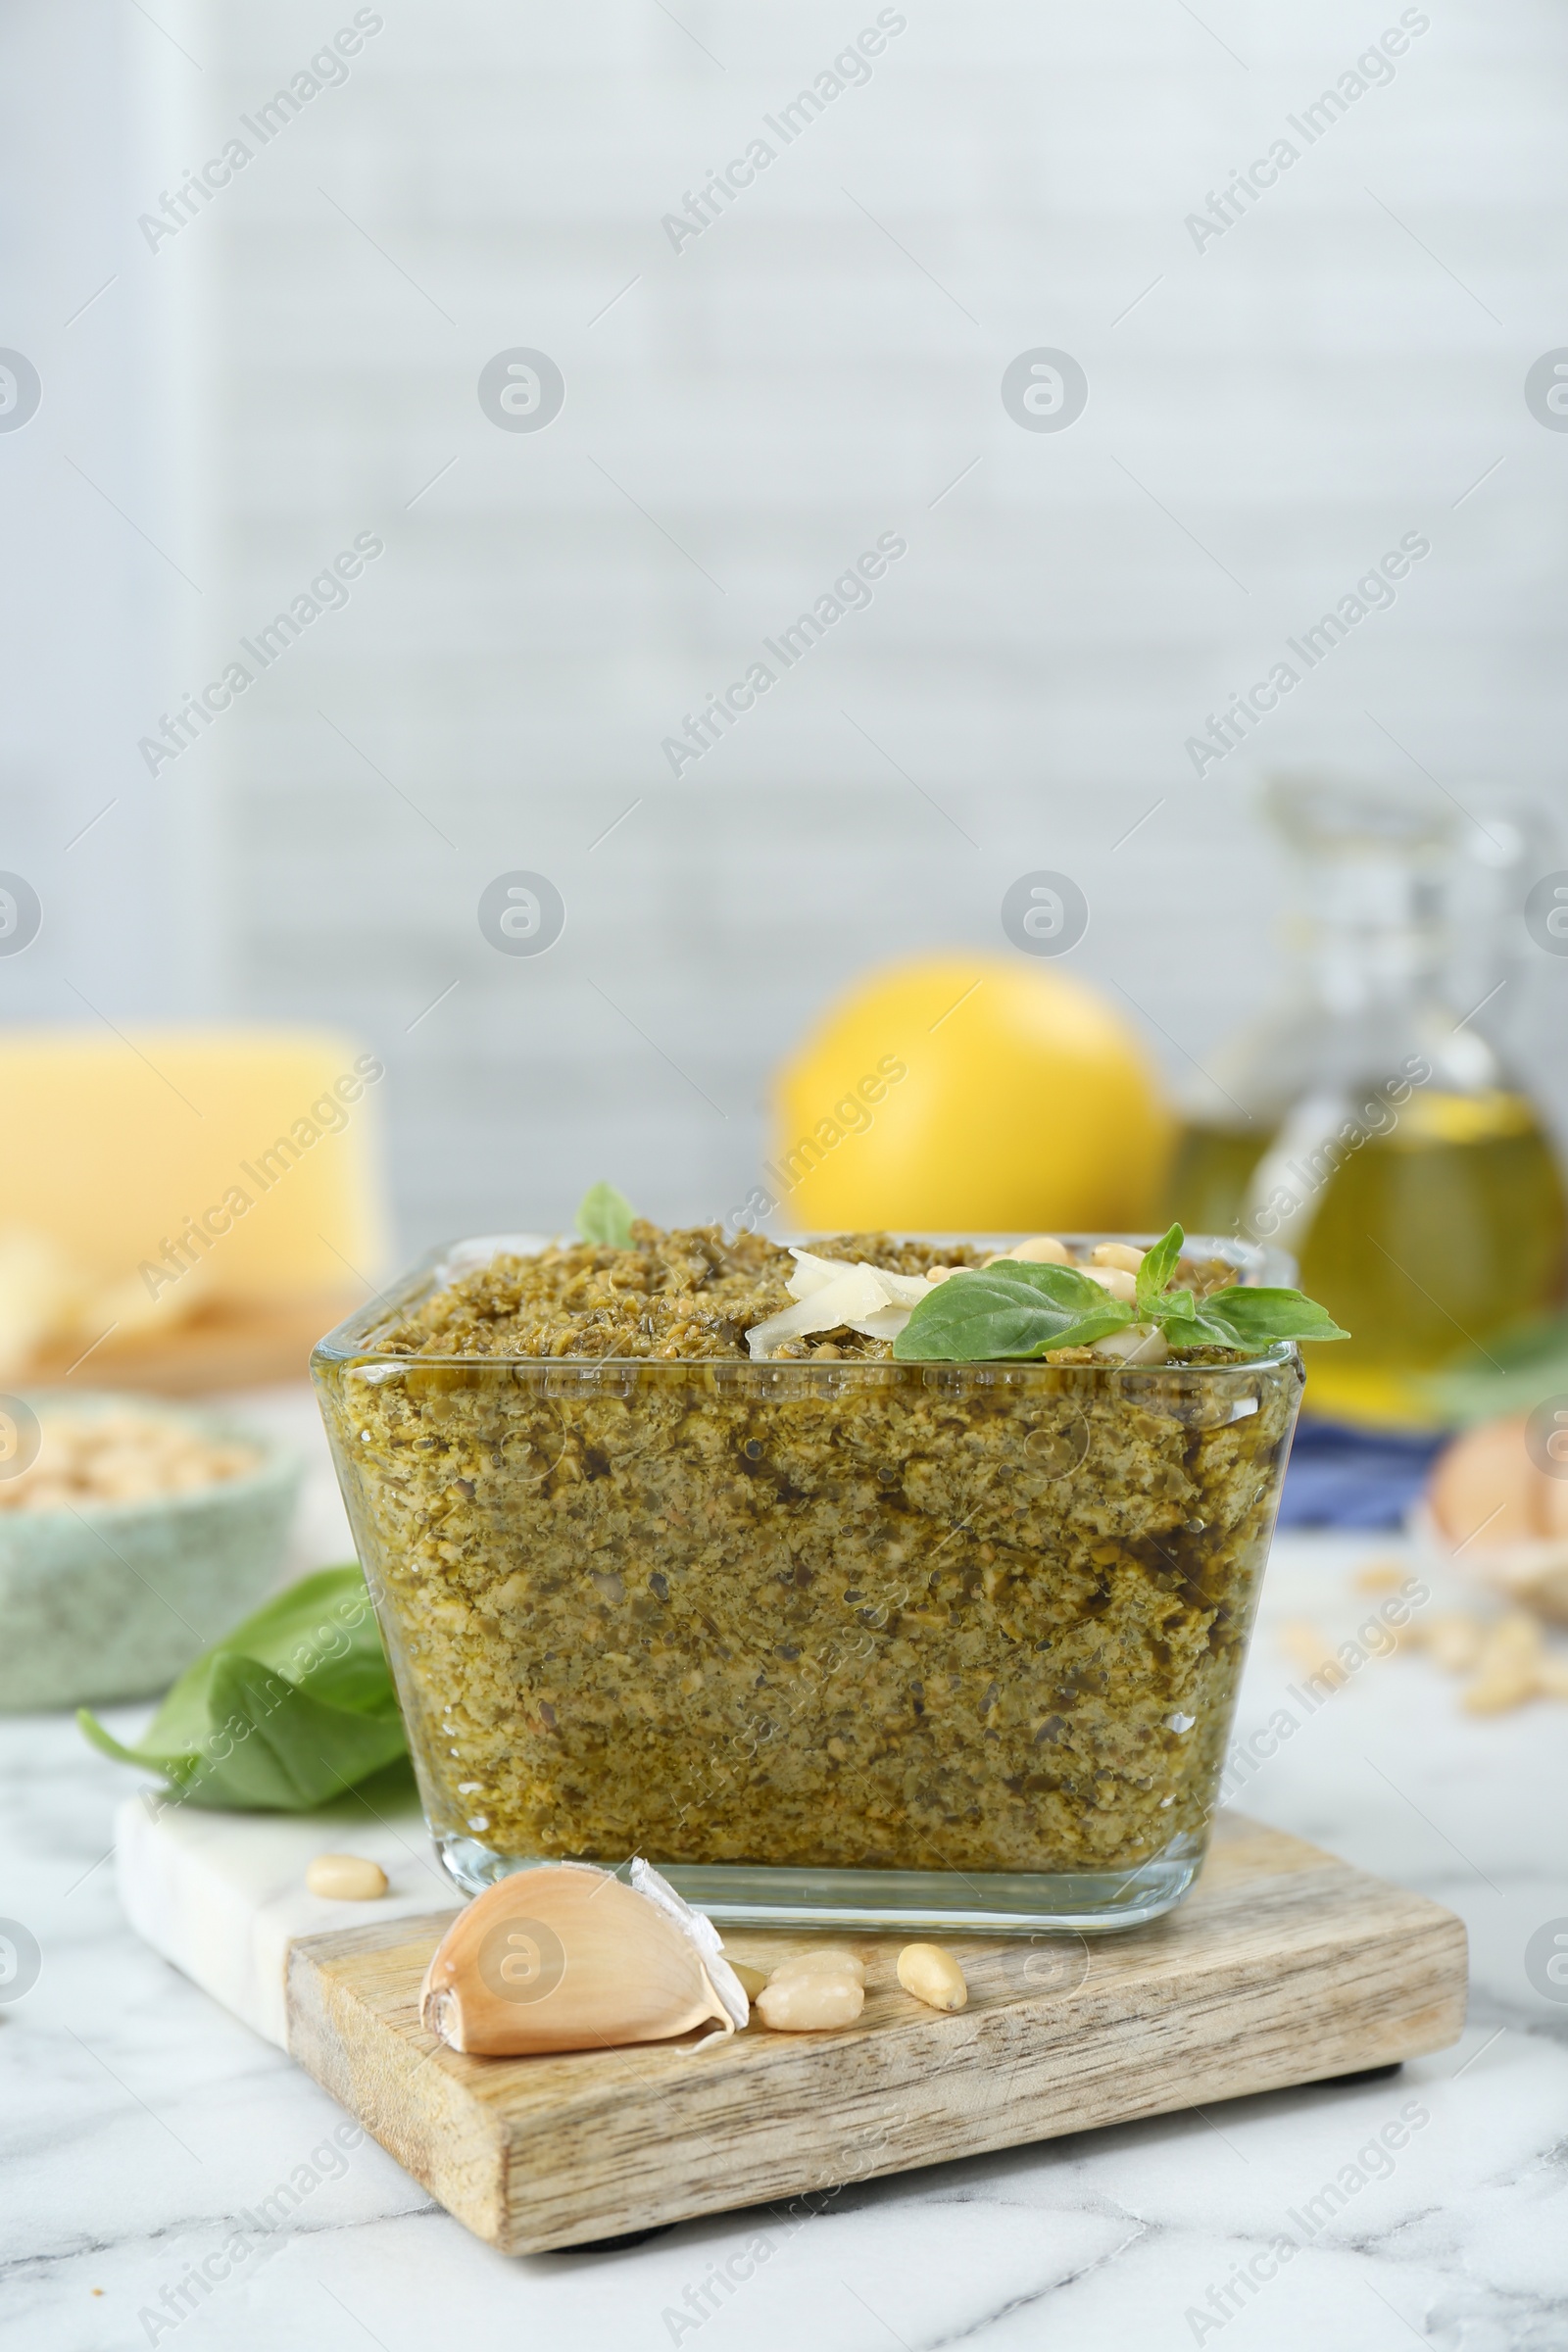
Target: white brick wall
788	386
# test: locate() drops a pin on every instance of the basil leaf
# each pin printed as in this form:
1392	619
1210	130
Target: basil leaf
1259	1318
604	1215
1159	1264
274	1748
1203	1330
1064	1286
292	1708
1009	1310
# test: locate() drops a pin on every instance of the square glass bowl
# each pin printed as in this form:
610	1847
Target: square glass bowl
854	1643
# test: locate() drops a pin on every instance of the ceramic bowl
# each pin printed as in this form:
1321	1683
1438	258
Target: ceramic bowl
110	1601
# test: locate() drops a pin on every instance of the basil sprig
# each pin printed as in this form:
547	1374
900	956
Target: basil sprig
1016	1309
1009	1309
293	1707
604	1215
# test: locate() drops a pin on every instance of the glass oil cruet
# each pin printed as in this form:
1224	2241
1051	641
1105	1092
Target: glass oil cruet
1365	1124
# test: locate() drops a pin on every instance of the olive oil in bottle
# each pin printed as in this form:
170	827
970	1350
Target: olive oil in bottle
1367	1129
1428	1240
1210	1173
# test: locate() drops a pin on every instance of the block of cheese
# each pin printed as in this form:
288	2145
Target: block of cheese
240	1166
222	1895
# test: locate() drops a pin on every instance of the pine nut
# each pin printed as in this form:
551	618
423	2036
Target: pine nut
346	1878
810	2000
1114	1278
1116	1253
1380	1576
824	1957
1514	1640
1503	1687
1134	1344
932	1976
1453	1640
1042	1250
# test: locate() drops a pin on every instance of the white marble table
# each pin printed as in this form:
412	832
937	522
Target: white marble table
142	2127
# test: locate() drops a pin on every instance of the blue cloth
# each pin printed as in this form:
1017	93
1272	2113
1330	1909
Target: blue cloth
1339	1477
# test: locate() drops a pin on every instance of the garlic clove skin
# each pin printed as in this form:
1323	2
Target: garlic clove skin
568	1957
700	1928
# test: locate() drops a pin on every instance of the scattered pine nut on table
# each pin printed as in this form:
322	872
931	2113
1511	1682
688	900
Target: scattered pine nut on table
933	1975
346	1878
810	2000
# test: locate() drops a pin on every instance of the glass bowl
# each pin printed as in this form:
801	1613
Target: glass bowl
861	1643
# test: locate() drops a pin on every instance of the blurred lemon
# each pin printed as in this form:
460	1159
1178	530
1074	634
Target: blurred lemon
967	1093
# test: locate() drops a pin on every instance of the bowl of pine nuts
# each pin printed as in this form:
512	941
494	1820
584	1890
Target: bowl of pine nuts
131	1532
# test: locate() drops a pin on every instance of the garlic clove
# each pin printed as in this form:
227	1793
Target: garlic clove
1550	1504
568	1957
1483	1487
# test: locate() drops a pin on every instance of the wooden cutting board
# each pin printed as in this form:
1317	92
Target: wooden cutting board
1283	1966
